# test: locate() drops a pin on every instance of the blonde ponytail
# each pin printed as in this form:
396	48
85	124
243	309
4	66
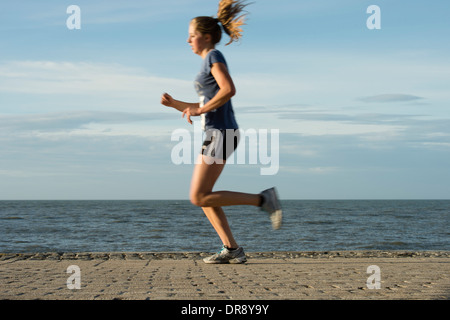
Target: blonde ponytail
231	17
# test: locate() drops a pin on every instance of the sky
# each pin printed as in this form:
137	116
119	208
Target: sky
361	113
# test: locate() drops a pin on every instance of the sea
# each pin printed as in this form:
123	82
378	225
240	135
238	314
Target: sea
178	226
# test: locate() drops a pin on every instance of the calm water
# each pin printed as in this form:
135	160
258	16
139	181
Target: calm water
96	226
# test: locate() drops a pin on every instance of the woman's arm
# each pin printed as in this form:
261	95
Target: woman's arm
226	85
168	101
225	93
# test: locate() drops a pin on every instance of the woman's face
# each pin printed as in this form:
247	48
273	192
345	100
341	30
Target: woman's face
196	40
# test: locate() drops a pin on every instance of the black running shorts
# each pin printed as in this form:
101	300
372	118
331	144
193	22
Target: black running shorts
220	144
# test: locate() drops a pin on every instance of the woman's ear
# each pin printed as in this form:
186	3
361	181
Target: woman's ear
207	37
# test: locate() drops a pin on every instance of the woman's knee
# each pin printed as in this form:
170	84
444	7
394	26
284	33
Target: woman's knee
202	200
198	199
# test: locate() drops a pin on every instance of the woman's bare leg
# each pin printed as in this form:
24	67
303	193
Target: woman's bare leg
203	179
219	221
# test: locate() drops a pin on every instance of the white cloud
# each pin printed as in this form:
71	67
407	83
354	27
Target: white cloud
75	85
49	77
67	121
309	170
395	97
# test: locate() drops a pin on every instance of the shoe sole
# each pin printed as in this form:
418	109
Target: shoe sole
276	219
232	261
277	216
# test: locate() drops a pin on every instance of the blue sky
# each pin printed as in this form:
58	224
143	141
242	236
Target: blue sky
362	114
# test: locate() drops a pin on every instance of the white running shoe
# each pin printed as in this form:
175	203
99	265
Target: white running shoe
271	204
227	256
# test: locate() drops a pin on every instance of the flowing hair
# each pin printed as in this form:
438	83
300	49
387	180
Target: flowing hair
230	14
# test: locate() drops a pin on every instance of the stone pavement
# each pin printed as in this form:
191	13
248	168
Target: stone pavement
266	276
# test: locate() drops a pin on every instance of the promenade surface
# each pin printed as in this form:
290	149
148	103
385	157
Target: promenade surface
266	276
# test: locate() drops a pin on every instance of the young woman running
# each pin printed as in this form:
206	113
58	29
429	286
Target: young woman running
215	88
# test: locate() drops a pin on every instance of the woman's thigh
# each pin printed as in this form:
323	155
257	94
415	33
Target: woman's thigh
205	176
